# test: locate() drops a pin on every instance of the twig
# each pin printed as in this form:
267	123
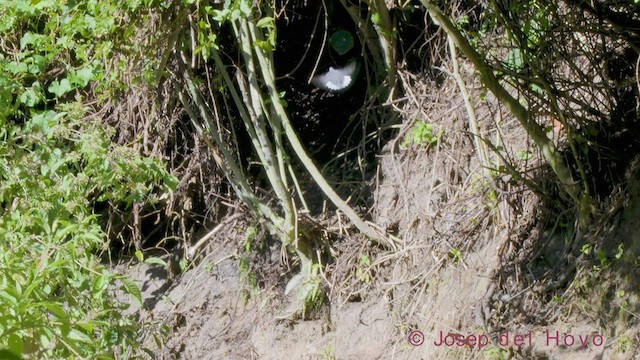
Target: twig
203	241
482	151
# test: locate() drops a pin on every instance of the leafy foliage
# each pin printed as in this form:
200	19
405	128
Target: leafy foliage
422	134
56	298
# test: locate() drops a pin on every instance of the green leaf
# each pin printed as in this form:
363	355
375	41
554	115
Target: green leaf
266	22
132	289
29	97
155	261
9	355
100	283
55	309
523	155
78	335
16	344
17	67
264	45
92	237
43	4
183	264
46	337
221	15
376	19
37	63
341	41
245	7
61	234
463	22
65	41
82	77
45	121
60	88
514	60
13	300
30	38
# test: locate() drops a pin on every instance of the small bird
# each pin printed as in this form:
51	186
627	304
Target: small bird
337	80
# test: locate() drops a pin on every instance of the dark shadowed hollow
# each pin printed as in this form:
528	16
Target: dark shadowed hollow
323	120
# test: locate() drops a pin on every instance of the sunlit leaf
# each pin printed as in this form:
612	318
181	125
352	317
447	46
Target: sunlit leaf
155	261
132	289
77	335
60	88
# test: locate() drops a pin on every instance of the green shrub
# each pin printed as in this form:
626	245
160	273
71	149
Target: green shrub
56	298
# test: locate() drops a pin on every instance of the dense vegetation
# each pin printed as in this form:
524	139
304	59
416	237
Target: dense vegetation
57	163
74	176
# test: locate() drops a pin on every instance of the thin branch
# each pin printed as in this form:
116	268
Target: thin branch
533	129
481	149
282	116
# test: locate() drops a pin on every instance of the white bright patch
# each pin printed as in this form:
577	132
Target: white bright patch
336	80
